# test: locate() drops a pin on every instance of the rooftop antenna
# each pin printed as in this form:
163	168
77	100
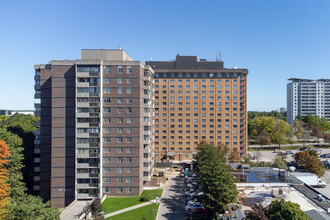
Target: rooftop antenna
150	58
220	55
216	57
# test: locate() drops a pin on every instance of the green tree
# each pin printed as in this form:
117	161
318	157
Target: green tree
326	138
215	179
300	128
280	163
282	210
317	132
309	159
280	131
312	121
32	207
290	134
15	165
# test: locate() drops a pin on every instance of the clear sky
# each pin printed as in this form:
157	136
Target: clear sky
275	40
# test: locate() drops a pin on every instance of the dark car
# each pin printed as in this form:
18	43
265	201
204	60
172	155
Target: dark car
304	148
325	156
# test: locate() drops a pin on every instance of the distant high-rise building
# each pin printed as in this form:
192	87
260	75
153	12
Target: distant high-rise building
198	100
306	96
96	128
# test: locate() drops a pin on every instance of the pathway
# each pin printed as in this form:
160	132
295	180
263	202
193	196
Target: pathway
129	208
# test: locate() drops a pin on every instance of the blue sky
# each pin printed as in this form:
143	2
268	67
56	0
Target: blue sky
275	40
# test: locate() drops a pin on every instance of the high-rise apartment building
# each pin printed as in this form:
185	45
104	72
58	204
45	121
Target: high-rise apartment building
198	100
96	128
306	96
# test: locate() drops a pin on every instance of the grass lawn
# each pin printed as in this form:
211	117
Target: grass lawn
137	214
114	204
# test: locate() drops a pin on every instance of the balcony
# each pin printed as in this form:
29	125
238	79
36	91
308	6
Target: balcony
36	142
37	96
36	150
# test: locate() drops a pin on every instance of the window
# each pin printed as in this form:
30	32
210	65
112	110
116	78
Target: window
120	180
106	130
106	159
129	80
128	150
107	69
128	90
106	189
128	100
120	90
128	160
129	69
128	120
119	189
128	170
119	170
120	140
120	100
106	170
128	190
128	130
107	100
120	69
128	179
107	80
106	140
106	90
120	80
106	179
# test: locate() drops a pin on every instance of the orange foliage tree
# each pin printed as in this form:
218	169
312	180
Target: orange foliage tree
4	186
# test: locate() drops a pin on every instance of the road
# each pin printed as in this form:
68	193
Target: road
285	145
173	203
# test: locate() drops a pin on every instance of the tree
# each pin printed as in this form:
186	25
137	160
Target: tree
280	130
96	206
277	210
290	134
280	163
315	165
263	138
234	156
326	138
258	212
215	179
32	207
285	210
257	155
300	127
15	164
309	159
306	135
317	132
4	186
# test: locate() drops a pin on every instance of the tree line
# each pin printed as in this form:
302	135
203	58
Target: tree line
16	171
266	130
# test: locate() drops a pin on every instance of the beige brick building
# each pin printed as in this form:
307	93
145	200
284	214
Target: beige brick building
198	100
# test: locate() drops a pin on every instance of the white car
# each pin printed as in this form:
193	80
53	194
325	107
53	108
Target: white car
193	207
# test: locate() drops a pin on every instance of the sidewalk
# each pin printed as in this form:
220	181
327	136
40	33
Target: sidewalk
129	208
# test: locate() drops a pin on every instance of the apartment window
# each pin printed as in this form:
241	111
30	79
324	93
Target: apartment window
128	190
120	110
106	130
106	140
120	90
106	90
128	100
119	130
128	90
107	110
106	80
120	140
120	80
120	190
119	170
129	140
129	69
128	180
128	120
128	170
120	180
106	159
106	170
128	110
106	189
129	80
120	69
107	100
107	69
128	160
128	130
128	150
120	100
106	150
106	179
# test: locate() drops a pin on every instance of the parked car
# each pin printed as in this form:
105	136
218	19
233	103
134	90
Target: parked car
193	207
325	155
289	152
304	148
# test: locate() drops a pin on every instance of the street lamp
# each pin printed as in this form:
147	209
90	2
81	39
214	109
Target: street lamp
152	210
